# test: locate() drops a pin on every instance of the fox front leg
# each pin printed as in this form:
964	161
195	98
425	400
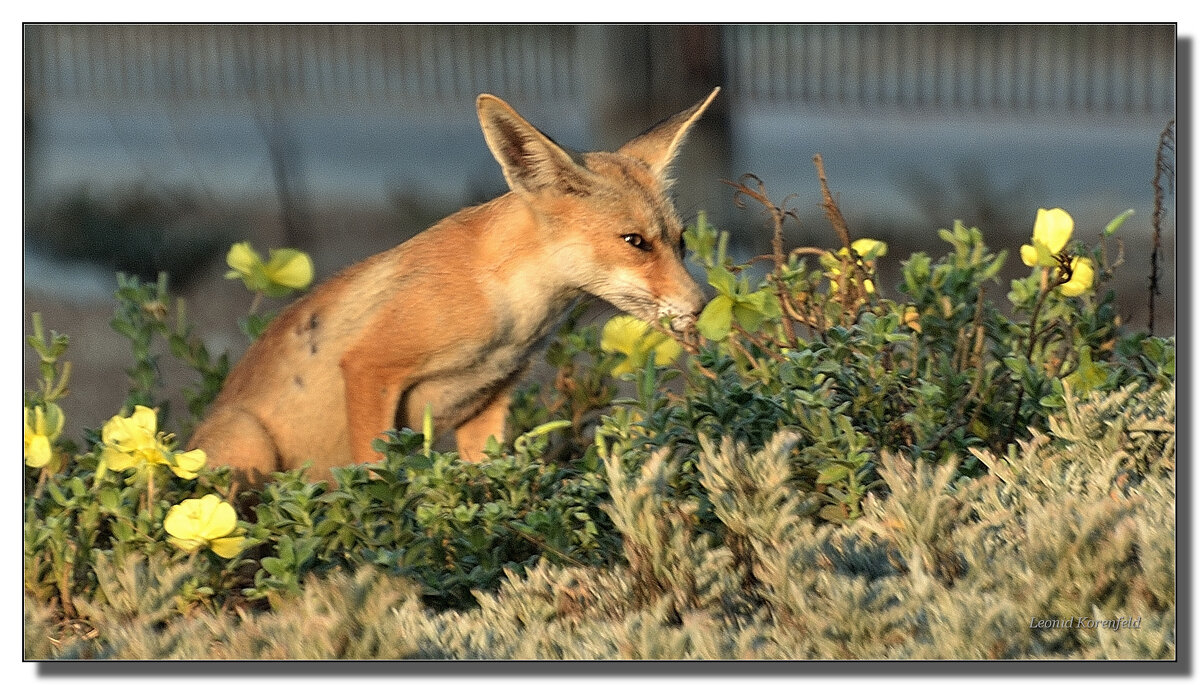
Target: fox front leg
471	436
372	395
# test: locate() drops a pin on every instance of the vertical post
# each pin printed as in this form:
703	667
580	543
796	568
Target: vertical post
637	76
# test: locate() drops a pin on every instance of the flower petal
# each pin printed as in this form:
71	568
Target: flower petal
1029	255
1053	228
626	366
117	459
242	259
144	419
38	452
185	544
621	333
667	351
114	431
1083	275
869	248
290	268
180	520
186	465
183	473
217	518
228	547
152	455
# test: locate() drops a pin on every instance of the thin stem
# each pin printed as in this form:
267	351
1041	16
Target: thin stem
832	212
815	251
150	491
779	213
1166	143
1062	275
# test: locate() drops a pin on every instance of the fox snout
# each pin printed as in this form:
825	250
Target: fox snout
680	315
684	309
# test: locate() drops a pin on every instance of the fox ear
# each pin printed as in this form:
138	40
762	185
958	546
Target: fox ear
658	146
531	161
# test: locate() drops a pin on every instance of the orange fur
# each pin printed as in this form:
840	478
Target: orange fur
450	318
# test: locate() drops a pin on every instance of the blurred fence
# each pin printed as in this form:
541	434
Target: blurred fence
1115	70
308	63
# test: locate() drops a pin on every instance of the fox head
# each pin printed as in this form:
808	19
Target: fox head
616	234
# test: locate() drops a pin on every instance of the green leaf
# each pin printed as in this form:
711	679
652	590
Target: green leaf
832	474
833	512
994	268
122	530
275	567
1018	365
124	328
56	494
748	317
723	280
1054	401
764	301
1113	225
109	499
1089	376
716	319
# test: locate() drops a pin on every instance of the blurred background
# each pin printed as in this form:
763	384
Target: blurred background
154	147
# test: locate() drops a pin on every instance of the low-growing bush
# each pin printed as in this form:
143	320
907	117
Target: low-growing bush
943	567
829	471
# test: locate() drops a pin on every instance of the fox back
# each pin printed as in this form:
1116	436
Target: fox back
450	318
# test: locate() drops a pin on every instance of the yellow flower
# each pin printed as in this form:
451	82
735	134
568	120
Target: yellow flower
131	441
1051	231
635	339
912	318
284	271
187	465
47	424
134	442
1083	274
205	522
290	268
242	259
866	249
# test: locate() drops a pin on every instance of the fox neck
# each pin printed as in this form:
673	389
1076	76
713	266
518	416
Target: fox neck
530	264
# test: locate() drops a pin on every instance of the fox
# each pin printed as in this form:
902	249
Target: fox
449	320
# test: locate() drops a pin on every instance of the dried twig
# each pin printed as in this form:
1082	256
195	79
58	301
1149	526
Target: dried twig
779	214
832	212
1164	170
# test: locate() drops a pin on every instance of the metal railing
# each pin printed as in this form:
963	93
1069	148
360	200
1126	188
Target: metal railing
1097	69
317	64
1114	70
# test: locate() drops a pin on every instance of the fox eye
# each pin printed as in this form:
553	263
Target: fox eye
637	241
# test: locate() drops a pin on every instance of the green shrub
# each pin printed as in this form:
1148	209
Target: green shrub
829	473
944	567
